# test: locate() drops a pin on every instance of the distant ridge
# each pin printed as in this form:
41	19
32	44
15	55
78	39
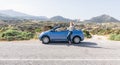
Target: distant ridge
103	18
15	15
60	19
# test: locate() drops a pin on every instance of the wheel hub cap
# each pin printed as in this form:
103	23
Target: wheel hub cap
46	40
77	40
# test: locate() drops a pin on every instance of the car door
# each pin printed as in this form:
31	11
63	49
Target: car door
59	35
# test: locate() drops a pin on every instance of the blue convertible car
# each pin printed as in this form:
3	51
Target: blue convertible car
60	34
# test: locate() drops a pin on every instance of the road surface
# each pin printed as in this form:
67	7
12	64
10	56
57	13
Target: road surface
95	51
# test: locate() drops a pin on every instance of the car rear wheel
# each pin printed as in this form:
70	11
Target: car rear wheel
76	40
45	40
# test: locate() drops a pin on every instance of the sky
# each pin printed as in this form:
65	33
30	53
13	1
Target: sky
74	9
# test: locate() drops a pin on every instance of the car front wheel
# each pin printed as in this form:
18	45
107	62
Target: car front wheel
76	40
45	40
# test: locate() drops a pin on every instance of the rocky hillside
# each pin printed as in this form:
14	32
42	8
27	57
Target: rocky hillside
103	18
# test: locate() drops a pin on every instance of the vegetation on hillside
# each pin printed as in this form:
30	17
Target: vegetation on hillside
11	35
87	34
31	29
115	37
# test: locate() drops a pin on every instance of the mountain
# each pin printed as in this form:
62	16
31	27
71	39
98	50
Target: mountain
3	15
14	15
42	18
103	18
60	19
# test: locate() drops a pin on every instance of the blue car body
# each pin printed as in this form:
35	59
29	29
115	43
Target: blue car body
61	35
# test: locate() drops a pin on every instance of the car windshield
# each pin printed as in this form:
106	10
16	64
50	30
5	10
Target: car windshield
61	29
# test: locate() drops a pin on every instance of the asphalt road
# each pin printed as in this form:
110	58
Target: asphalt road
95	51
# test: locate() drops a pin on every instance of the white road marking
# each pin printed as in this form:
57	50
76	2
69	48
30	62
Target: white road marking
59	59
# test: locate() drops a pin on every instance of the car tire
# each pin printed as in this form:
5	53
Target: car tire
76	40
45	40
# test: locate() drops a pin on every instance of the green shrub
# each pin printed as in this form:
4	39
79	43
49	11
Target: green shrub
87	34
112	36
38	30
103	31
11	35
115	37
